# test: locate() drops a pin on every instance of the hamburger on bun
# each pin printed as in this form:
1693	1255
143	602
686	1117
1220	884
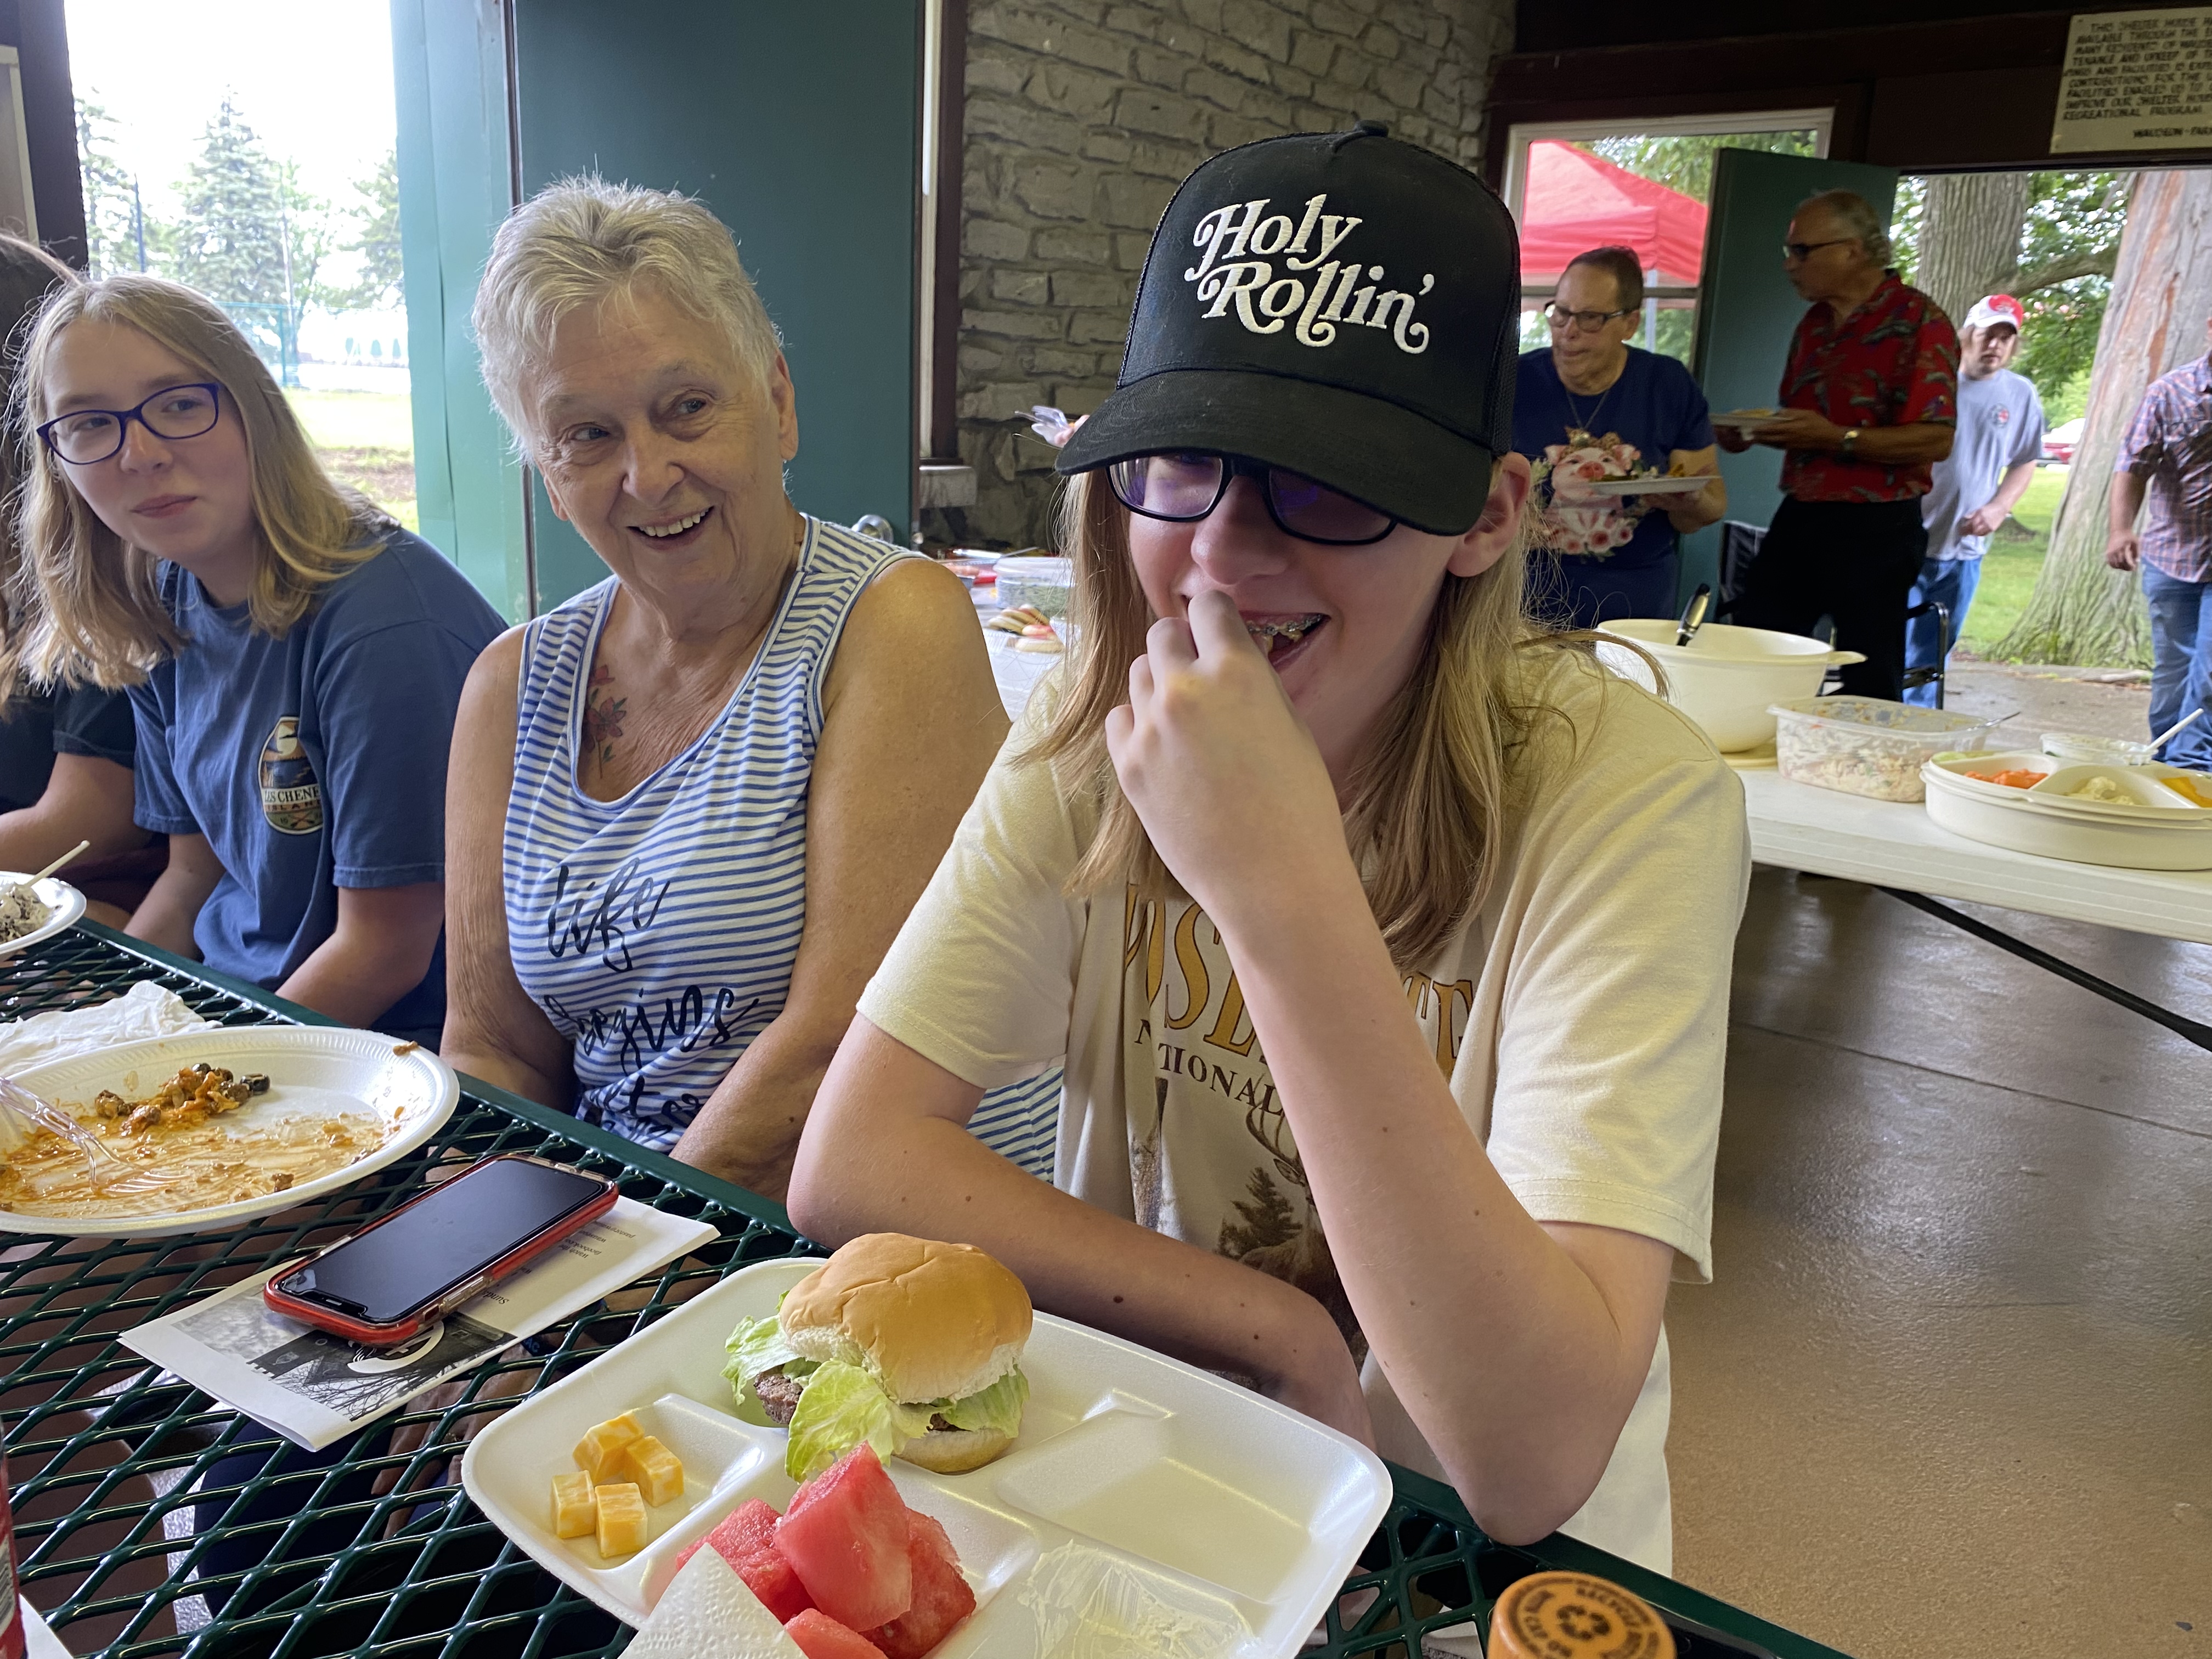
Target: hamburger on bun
907	1343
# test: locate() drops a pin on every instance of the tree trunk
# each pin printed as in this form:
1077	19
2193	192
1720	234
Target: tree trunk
1970	237
2082	610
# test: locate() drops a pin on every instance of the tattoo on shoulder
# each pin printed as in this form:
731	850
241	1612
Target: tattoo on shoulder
603	714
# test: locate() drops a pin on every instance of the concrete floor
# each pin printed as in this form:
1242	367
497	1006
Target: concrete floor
1950	1393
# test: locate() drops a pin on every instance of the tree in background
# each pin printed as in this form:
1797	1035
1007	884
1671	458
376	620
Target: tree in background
2081	611
111	230
376	239
249	237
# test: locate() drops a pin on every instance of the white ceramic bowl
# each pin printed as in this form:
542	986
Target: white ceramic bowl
1727	678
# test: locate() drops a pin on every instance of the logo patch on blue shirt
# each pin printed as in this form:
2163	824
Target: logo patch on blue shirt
291	799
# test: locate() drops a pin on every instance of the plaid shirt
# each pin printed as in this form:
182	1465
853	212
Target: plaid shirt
1894	361
2170	443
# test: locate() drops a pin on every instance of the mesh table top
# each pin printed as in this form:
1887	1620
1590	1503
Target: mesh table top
152	1520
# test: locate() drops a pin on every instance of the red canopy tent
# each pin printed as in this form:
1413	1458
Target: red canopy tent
1576	201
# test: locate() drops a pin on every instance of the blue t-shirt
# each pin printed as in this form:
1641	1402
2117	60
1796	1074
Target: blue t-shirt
1999	428
314	761
1654	407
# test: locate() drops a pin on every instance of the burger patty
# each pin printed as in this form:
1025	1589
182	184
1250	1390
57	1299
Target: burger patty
779	1395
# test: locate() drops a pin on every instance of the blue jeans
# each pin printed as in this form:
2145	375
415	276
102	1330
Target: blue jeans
1951	584
2181	659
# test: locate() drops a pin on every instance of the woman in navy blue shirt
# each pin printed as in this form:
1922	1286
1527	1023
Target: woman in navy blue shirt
294	657
1613	557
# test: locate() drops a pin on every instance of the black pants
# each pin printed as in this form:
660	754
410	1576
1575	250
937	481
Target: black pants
1853	561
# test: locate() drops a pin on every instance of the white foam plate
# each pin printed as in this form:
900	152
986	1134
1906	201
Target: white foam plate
1226	1506
316	1070
1648	486
1744	420
64	905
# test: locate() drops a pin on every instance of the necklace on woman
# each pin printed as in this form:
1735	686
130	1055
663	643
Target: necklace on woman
1585	422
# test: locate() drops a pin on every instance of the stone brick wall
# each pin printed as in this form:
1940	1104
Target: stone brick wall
1083	115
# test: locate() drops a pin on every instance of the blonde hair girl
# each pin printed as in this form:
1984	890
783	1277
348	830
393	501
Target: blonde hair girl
1386	940
294	657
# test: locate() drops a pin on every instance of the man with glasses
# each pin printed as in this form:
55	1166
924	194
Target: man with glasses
1614	556
1870	401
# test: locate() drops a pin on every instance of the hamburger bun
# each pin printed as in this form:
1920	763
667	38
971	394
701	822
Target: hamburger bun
955	1451
930	1321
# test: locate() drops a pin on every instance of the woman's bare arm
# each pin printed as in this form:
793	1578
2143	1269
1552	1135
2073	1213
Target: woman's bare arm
493	1030
911	720
87	798
886	1150
164	916
381	947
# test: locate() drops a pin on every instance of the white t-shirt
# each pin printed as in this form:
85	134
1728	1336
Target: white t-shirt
1581	1016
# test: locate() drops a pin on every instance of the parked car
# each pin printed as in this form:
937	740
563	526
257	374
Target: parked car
2060	443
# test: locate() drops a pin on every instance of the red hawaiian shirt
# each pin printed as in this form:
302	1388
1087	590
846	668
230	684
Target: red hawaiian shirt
1894	361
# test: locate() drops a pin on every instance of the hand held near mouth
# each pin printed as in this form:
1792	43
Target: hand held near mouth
1221	771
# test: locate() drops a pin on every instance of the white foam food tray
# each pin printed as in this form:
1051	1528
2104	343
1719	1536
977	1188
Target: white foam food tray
1227	1507
2143	833
64	906
313	1071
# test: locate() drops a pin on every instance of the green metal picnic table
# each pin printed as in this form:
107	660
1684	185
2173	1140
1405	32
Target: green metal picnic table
130	1536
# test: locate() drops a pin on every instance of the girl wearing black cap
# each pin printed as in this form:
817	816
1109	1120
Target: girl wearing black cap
1385	939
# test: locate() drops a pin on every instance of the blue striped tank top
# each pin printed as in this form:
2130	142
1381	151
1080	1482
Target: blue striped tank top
657	932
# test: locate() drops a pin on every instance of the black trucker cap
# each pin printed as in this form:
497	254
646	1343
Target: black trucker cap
1342	304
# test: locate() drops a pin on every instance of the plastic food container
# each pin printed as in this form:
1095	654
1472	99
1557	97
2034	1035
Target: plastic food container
1867	746
1212	1507
1726	678
2055	820
2081	746
1046	583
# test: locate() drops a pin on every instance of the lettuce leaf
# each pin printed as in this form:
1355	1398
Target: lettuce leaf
999	1406
843	1405
757	1346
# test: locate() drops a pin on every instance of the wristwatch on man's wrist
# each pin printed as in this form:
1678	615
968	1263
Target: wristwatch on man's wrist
1850	443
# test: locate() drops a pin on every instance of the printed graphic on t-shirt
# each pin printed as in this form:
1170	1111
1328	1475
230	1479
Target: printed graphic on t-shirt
1211	1160
291	799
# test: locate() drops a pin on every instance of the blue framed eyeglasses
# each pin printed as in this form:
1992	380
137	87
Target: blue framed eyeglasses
86	436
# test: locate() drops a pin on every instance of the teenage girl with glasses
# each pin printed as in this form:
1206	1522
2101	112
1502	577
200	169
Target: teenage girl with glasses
294	657
1384	937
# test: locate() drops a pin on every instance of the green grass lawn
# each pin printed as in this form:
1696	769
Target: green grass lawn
367	439
2010	566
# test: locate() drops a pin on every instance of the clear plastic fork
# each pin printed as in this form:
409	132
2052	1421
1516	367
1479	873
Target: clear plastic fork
22	1112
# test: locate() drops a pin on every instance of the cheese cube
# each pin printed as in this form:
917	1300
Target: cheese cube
574	1513
657	1470
621	1518
597	1452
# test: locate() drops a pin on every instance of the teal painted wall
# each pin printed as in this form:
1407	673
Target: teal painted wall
449	63
1747	311
798	124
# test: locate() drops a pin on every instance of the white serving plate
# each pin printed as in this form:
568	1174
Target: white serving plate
1227	1506
1745	420
2044	821
1662	486
64	905
323	1070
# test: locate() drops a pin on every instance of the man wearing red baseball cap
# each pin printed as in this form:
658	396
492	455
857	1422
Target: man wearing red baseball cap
1975	488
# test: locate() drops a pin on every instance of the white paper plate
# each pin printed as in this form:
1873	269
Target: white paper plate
312	1069
1745	420
1615	487
64	905
1224	1505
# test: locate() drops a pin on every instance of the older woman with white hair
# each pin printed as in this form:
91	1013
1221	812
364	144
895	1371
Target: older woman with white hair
689	808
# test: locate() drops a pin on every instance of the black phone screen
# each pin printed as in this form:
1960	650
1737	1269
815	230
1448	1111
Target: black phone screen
389	1270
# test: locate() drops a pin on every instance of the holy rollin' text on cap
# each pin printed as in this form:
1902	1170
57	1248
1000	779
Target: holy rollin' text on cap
1264	301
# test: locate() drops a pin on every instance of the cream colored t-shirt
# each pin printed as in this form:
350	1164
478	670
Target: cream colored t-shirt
1581	1016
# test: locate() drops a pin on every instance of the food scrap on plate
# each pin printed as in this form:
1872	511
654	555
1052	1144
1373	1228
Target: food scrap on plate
1034	628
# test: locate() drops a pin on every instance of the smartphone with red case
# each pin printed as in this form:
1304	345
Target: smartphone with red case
394	1277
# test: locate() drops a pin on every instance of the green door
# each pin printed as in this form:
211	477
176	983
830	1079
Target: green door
1746	311
798	124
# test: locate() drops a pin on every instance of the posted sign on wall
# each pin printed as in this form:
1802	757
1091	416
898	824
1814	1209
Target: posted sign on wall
2137	80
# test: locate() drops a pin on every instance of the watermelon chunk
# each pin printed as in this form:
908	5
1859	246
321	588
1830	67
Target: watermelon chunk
770	1578
743	1533
846	1535
820	1636
941	1597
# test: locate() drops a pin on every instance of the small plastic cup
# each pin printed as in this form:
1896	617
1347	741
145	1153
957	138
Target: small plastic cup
2081	746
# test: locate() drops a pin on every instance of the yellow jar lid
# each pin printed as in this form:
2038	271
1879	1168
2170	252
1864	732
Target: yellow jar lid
1570	1615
